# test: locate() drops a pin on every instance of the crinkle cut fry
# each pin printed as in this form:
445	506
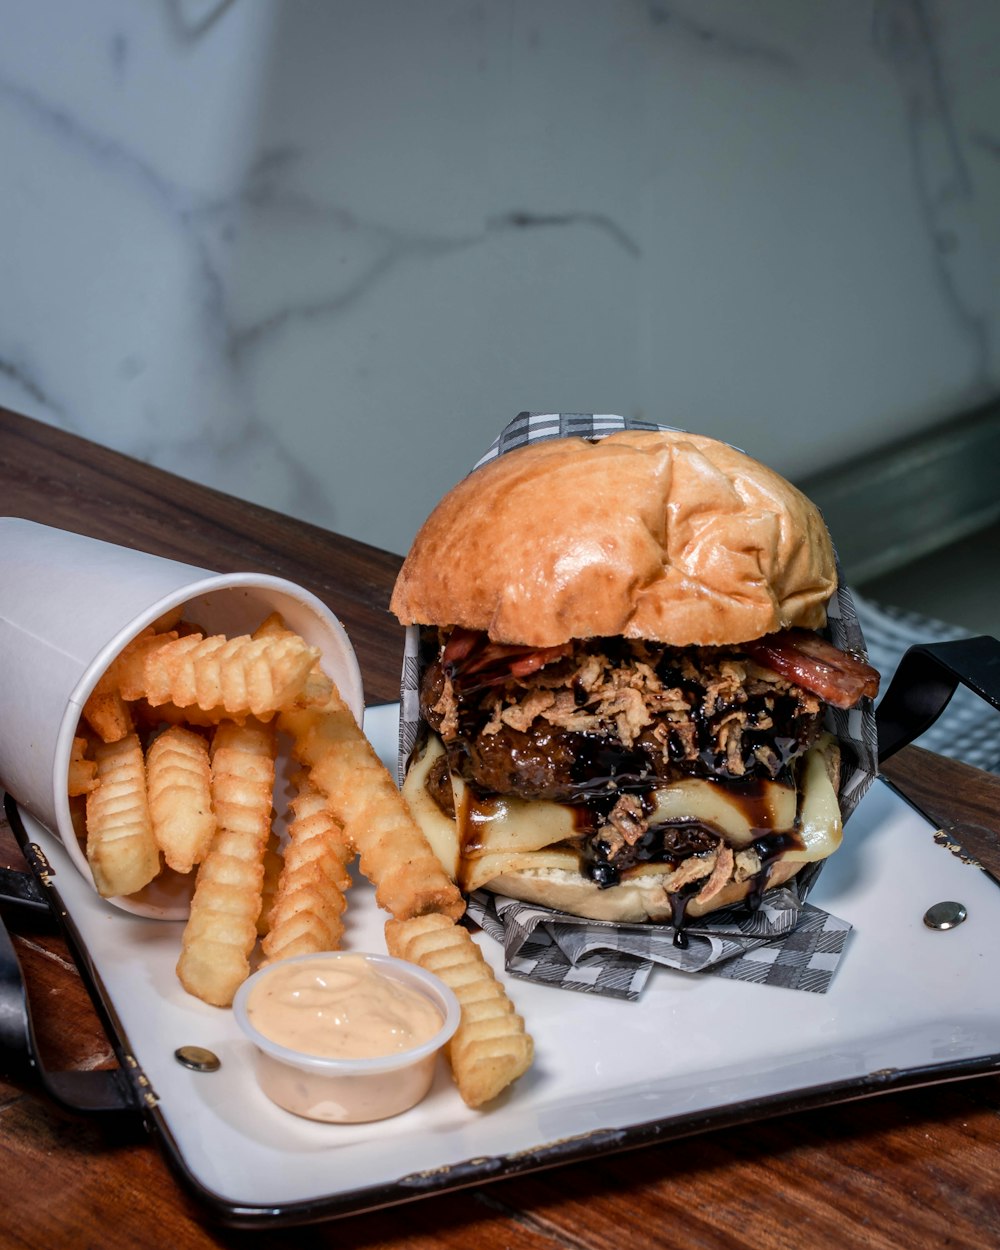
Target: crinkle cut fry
179	781
318	687
362	797
273	862
106	710
222	928
82	771
490	1049
108	715
243	675
127	670
150	717
307	912
121	850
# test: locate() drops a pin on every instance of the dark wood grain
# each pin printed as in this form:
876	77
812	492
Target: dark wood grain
931	782
55	478
909	1169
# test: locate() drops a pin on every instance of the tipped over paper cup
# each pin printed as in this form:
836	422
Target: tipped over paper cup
68	606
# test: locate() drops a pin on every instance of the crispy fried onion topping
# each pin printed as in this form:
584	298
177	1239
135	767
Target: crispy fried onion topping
705	706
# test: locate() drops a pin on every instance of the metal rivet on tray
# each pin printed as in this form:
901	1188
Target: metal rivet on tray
197	1058
944	915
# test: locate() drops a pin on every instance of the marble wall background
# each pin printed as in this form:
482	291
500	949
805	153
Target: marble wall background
316	253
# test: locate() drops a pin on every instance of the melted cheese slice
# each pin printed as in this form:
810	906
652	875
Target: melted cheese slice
771	809
506	834
819	826
441	832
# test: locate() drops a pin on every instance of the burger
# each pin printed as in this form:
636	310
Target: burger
624	678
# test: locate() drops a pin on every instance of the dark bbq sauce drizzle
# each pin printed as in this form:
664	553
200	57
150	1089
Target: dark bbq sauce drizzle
764	711
603	769
678	909
769	849
672	841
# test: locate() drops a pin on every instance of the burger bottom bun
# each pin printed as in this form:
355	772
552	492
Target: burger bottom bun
640	899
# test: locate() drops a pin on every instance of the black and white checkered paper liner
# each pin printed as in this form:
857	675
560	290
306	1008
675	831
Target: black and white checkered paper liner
785	942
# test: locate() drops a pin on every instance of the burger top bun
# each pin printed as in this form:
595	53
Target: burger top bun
666	536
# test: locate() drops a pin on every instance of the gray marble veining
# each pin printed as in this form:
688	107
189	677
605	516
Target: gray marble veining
317	254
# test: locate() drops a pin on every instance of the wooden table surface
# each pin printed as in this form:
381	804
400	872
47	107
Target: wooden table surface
917	1168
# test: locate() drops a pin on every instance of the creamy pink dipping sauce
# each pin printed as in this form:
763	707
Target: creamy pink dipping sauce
344	1037
340	1008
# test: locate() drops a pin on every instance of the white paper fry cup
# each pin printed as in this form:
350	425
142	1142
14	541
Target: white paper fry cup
68	605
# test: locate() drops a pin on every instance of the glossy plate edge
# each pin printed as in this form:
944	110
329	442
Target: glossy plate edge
480	1170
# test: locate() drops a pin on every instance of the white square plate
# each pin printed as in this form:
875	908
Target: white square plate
907	1006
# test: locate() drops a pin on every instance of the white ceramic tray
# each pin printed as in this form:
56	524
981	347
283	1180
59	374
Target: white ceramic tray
907	1006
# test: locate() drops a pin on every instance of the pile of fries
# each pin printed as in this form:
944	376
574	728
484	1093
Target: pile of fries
174	764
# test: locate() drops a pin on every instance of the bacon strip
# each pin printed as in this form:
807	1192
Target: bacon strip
798	655
811	662
460	644
470	658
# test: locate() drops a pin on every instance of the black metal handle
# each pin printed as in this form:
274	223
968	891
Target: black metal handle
924	681
95	1090
22	891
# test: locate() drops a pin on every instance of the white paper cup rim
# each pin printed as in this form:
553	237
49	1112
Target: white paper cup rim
349	685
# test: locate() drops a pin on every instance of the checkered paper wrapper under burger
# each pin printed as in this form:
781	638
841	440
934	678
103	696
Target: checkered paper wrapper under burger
787	941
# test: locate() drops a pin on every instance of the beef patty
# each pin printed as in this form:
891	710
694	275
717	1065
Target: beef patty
615	715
